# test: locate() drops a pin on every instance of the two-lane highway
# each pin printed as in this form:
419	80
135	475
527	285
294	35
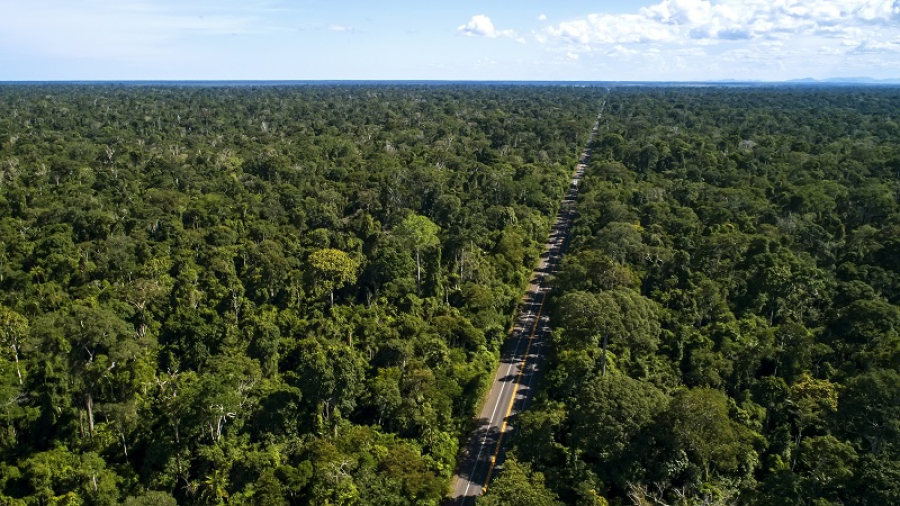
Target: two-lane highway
521	361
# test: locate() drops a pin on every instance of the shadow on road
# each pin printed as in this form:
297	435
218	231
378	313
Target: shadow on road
490	436
524	347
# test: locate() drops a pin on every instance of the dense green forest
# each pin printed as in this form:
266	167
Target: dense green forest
268	295
727	318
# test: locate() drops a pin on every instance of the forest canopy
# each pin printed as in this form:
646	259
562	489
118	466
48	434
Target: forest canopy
726	318
262	294
296	294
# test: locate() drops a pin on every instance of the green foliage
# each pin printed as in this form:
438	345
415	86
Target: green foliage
151	498
869	411
697	424
738	247
609	413
262	294
518	485
332	269
420	234
725	319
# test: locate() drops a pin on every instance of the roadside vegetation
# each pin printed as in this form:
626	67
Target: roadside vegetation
727	318
261	294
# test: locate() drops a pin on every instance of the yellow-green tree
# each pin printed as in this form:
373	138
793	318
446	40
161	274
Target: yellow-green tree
332	269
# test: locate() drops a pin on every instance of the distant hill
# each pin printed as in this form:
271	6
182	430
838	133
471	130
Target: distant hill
846	80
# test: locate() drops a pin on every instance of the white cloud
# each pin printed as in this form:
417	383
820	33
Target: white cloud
611	29
682	21
871	46
542	17
481	26
679	11
334	27
741	39
879	10
620	50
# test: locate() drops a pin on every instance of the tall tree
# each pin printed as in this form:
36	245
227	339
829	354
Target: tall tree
13	332
518	485
420	234
332	269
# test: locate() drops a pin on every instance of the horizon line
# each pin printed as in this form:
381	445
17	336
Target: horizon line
832	80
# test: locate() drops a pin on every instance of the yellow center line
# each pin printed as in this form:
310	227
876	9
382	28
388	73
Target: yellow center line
512	400
563	221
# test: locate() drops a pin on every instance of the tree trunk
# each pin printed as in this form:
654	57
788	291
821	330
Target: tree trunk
124	445
15	350
603	361
797	441
89	406
418	270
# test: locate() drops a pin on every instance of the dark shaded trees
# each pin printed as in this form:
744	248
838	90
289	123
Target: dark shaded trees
215	294
737	246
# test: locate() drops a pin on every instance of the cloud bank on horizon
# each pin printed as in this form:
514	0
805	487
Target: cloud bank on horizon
747	33
683	21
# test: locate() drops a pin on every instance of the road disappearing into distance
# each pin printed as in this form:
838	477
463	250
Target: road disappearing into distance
522	359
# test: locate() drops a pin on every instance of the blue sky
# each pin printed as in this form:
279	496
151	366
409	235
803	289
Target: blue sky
595	40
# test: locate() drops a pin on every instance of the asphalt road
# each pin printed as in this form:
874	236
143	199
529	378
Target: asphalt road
521	363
